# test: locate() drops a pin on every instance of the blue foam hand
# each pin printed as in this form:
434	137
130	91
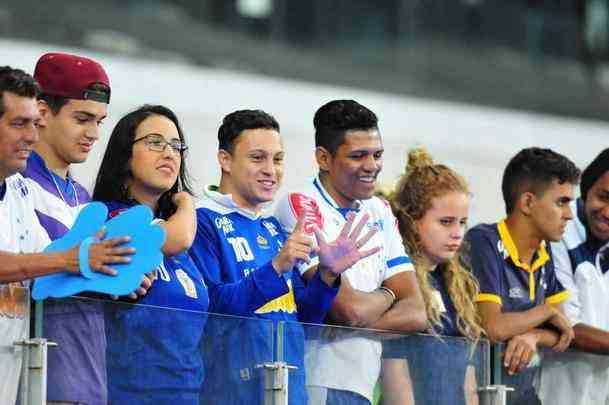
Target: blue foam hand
146	238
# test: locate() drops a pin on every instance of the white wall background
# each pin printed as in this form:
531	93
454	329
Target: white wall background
474	140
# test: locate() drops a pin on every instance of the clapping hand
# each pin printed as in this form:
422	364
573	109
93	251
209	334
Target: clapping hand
337	256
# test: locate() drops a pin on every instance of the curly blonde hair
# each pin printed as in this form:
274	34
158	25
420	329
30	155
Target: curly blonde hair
411	199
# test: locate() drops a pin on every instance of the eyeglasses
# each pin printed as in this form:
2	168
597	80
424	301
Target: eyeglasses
157	143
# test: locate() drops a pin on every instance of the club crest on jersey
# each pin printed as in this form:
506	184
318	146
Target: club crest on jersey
20	186
262	242
304	206
225	224
380	224
502	250
270	227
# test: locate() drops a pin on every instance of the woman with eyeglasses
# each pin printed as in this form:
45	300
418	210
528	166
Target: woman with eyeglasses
153	353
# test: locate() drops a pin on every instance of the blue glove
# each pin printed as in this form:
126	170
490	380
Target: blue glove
146	238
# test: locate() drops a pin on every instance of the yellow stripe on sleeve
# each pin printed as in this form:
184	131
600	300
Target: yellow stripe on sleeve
557	298
489	298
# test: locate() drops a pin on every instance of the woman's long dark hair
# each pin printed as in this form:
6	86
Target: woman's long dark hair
114	171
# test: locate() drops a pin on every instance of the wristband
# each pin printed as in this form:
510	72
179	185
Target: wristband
389	292
83	257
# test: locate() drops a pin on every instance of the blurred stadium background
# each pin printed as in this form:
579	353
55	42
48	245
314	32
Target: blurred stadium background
472	80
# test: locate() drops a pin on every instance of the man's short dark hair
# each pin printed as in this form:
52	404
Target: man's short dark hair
332	121
18	82
236	122
534	170
596	169
56	103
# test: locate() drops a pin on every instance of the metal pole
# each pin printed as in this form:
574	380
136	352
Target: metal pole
34	376
494	394
276	382
496	352
24	380
38	314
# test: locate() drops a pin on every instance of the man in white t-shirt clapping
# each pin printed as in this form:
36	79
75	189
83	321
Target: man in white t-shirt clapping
379	292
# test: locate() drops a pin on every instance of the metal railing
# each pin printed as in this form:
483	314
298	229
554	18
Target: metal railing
263	361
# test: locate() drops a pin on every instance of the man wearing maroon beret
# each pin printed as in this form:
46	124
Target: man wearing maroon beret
75	92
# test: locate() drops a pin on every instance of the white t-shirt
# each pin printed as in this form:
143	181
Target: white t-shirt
347	361
574	377
20	232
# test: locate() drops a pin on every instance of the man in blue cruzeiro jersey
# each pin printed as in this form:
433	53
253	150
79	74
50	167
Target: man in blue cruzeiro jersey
379	292
248	261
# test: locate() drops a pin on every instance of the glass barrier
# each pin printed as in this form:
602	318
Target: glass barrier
553	377
162	355
145	354
14	326
382	366
154	355
157	355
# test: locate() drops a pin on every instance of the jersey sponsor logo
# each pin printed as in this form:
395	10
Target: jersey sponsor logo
225	224
242	249
270	227
515	292
248	271
285	303
305	206
262	242
189	286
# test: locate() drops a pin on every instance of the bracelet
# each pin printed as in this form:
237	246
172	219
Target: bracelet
389	292
83	257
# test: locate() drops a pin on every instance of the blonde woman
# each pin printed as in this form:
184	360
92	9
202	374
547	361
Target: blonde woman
431	203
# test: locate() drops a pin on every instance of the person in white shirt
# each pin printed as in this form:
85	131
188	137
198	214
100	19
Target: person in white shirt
379	292
581	258
21	235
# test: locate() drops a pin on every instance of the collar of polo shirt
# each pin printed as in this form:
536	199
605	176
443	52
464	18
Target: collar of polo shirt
541	256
